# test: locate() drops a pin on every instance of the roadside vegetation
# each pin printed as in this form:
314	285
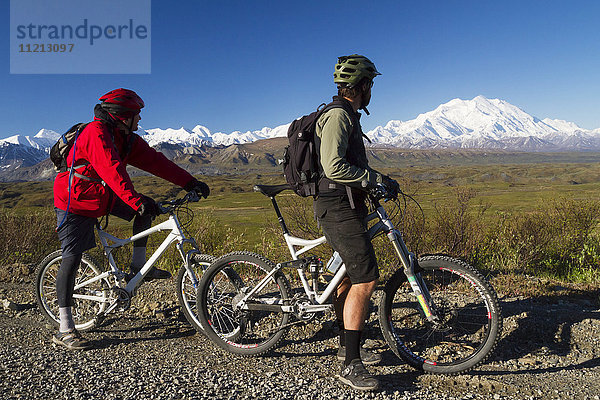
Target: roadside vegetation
539	219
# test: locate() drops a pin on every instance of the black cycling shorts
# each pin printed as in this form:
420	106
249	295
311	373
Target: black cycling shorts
346	232
76	234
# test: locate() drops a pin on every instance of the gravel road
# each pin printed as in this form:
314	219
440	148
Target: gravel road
550	349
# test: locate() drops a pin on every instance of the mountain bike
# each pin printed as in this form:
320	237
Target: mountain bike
437	313
98	292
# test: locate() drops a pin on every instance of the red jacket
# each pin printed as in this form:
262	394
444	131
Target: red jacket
106	170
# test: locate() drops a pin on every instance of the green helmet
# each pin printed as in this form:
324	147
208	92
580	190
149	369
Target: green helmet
349	70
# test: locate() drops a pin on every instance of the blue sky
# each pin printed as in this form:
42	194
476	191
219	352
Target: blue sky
244	65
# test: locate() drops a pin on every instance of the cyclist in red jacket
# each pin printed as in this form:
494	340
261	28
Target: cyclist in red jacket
96	183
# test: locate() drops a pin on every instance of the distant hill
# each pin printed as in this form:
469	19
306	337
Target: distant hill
262	157
485	125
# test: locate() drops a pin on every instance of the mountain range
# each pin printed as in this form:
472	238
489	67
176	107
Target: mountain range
485	124
479	123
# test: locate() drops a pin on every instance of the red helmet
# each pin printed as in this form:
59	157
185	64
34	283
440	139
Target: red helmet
123	103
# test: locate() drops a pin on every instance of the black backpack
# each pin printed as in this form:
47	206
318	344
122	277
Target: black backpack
60	149
301	166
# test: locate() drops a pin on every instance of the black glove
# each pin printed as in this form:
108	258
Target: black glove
148	207
201	188
391	186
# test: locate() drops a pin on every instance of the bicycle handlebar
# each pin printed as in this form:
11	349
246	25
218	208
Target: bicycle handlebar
167	206
380	191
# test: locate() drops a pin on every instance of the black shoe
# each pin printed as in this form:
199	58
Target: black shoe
71	340
357	377
154	273
366	356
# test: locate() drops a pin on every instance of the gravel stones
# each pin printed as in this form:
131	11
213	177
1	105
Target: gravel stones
549	350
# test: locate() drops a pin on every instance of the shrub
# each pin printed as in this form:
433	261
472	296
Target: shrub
556	239
457	226
27	238
213	237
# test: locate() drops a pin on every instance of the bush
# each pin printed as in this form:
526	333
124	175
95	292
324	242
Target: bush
212	236
559	239
457	226
27	238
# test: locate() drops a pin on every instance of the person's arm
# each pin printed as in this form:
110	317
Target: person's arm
99	150
148	159
333	129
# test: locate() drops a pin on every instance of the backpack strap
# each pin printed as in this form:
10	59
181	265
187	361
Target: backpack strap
326	184
84	163
87	178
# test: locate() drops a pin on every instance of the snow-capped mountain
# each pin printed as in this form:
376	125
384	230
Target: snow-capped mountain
42	140
200	135
24	151
477	123
197	136
484	123
20	151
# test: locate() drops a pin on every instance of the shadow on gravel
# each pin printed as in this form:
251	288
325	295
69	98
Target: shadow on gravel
304	334
393	374
327	331
393	379
549	334
113	334
393	383
542	370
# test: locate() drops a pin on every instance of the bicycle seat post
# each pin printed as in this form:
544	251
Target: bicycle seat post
279	216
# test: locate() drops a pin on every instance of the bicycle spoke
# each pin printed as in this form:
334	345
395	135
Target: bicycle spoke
187	291
227	292
88	300
467	324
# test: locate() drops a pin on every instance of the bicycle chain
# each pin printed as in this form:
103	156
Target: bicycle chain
318	317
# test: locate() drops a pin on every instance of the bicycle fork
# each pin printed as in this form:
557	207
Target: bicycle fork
187	258
415	279
409	261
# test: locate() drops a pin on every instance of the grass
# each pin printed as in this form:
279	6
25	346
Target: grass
236	218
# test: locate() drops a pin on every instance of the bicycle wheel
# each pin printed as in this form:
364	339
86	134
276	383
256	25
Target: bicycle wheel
242	331
187	290
89	300
469	317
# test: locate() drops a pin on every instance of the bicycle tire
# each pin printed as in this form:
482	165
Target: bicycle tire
470	317
243	332
86	312
187	291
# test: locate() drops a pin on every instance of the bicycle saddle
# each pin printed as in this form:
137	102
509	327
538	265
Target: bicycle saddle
271	190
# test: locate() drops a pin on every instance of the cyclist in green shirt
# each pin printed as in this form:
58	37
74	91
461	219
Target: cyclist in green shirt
341	211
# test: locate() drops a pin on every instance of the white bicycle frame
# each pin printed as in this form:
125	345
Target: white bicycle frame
292	242
110	243
384	224
306	245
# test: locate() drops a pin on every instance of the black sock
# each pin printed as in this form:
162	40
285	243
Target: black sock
340	325
352	345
